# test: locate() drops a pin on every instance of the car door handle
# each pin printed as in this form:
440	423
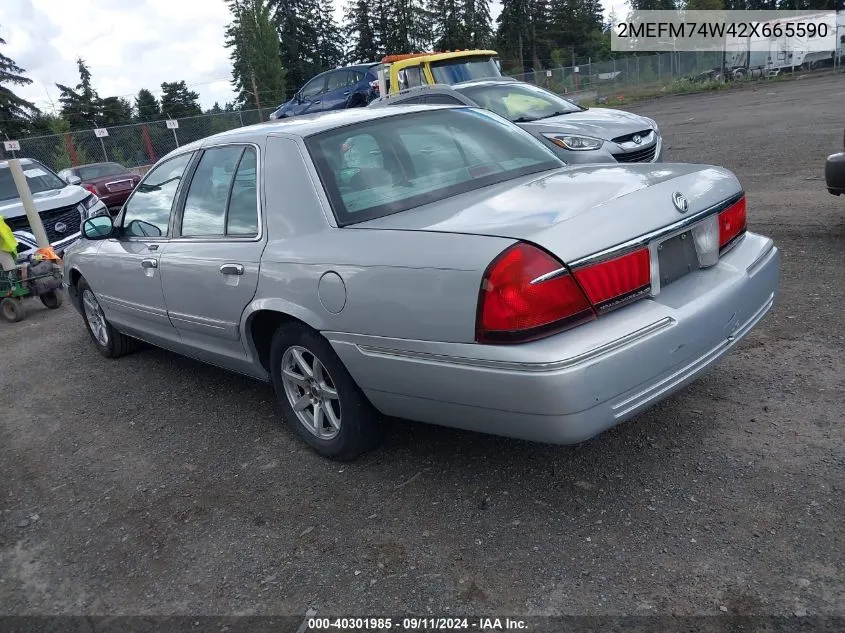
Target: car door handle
232	269
149	263
317	102
346	93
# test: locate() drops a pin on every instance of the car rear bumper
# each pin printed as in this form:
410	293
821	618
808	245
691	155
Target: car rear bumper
574	385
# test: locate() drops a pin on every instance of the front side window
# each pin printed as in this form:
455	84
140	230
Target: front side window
208	193
313	87
147	212
396	163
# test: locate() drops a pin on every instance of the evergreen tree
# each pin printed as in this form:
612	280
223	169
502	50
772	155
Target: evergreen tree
115	111
80	106
450	29
255	54
476	16
146	106
16	113
329	40
178	101
358	29
296	27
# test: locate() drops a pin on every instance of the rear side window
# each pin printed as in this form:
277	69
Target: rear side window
222	197
208	194
400	162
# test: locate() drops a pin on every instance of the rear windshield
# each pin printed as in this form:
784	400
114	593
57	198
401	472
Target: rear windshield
90	172
396	163
38	177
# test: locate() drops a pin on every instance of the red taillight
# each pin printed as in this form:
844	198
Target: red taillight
512	309
613	282
732	223
91	189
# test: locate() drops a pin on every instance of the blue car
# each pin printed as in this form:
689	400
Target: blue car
349	87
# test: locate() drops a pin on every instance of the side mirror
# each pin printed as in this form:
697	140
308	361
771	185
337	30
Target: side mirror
100	227
74	180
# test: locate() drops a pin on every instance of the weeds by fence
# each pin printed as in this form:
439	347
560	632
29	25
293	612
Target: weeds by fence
138	145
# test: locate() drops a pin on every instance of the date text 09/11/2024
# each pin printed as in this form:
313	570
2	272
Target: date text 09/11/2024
417	624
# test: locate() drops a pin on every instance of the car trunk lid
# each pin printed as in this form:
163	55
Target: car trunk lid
574	212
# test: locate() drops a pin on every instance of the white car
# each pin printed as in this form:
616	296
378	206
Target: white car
62	207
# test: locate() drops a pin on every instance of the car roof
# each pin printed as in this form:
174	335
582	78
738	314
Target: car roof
306	125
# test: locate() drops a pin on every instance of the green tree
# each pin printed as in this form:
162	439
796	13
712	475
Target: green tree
115	111
146	106
80	106
296	28
450	27
476	16
16	113
329	40
178	101
255	54
358	28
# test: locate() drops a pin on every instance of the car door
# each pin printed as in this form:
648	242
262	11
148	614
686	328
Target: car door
125	276
210	269
310	97
337	90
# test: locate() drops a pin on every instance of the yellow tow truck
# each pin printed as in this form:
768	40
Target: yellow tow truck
398	72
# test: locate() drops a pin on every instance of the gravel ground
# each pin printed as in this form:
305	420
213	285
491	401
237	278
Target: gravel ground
157	485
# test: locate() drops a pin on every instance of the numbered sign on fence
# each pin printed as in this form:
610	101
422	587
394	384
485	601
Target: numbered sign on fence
172	124
101	132
548	73
11	146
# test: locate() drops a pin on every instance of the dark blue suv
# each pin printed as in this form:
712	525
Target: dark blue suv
350	87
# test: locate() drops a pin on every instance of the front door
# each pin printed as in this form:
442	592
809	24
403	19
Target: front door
127	281
210	268
311	96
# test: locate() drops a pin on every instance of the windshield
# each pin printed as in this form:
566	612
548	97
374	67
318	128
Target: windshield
520	102
400	162
38	177
452	71
90	172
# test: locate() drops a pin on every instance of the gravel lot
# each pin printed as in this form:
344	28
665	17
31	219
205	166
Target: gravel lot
157	485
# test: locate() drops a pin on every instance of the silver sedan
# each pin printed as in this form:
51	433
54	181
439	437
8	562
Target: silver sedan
435	264
577	134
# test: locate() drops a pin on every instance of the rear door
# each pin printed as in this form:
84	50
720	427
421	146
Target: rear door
210	270
126	276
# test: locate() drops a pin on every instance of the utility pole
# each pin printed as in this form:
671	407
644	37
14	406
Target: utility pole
257	100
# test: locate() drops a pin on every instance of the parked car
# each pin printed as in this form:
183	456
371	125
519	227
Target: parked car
111	182
834	173
349	87
62	206
576	133
436	264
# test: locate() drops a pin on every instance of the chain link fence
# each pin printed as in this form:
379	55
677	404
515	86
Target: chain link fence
140	145
636	74
136	145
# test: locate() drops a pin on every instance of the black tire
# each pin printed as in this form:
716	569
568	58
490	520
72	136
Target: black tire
52	299
13	309
116	343
360	425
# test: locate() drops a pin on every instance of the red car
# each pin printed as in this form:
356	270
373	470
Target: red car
110	182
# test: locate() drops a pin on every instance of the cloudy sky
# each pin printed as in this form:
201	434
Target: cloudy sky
128	45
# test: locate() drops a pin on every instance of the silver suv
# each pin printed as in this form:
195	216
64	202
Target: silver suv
62	207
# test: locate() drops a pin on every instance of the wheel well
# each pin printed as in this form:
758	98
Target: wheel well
262	326
74	276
